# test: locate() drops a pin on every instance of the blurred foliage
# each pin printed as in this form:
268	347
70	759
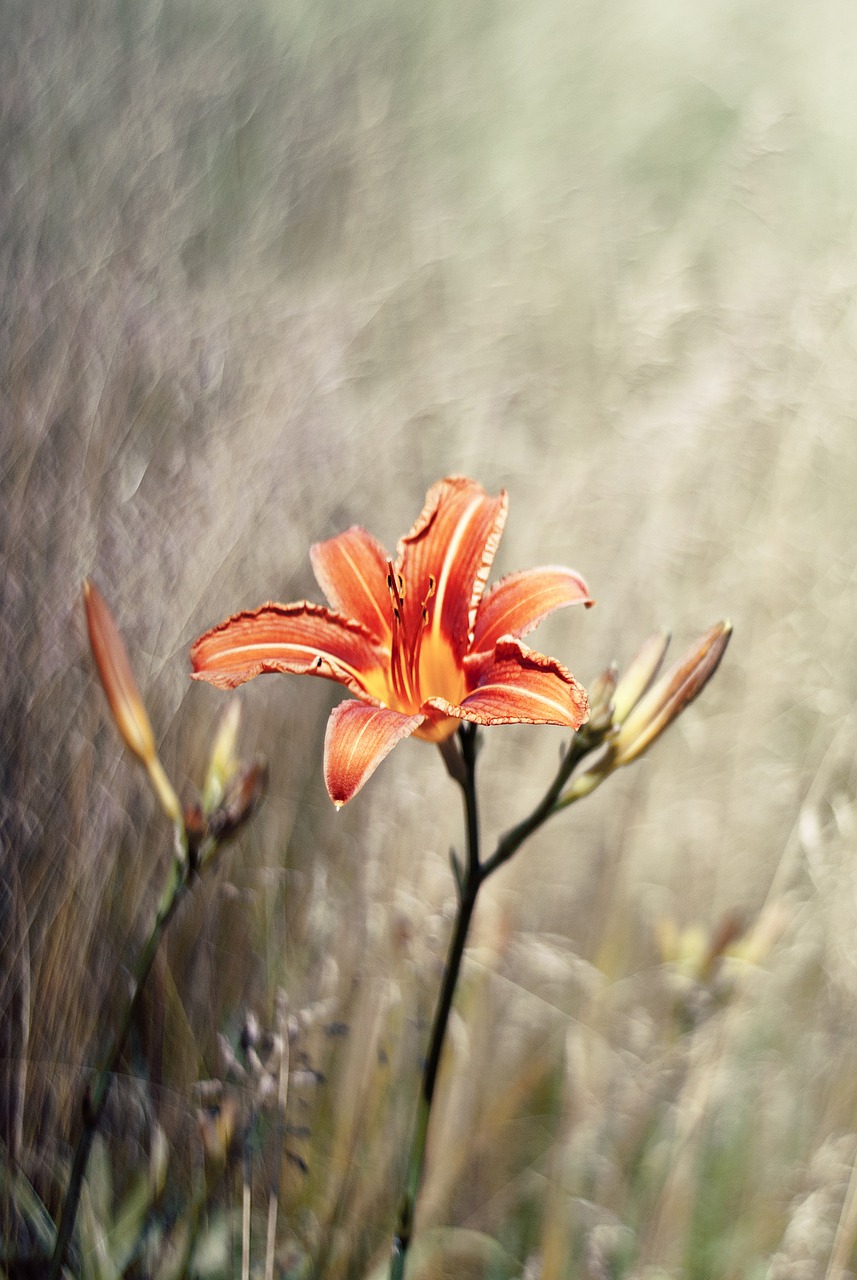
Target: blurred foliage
270	270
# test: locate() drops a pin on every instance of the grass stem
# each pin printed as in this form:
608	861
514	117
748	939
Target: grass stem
96	1098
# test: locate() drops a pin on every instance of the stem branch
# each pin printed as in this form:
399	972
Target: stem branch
468	890
461	764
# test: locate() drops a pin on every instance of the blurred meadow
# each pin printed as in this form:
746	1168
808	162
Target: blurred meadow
268	270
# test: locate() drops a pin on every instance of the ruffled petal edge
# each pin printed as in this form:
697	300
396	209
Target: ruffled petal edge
516	685
299	639
453	542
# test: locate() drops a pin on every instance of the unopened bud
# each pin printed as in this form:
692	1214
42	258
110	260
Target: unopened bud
242	797
601	702
116	675
639	674
123	695
666	700
222	763
205	831
656	709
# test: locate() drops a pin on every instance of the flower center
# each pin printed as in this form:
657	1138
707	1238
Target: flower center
408	628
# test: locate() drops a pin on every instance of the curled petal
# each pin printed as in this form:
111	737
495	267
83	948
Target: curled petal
351	570
305	639
358	738
453	542
516	685
519	602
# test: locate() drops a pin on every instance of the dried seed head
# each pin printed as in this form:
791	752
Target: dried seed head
217	1128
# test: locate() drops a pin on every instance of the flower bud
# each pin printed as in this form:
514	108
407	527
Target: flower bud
123	695
601	702
639	674
242	796
222	763
658	707
640	717
117	678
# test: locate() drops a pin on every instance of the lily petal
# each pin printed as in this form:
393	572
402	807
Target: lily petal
516	685
519	602
351	570
305	639
358	738
453	542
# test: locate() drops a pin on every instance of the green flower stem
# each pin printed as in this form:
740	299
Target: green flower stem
462	767
96	1098
468	886
550	803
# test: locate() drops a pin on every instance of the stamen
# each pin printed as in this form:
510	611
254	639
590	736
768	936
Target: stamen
417	644
400	675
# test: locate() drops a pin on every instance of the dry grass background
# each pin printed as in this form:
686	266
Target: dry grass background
270	270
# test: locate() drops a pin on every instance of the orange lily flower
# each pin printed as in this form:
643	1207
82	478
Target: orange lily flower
414	639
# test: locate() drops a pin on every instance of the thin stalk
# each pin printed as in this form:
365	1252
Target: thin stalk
274	1193
461	765
548	805
468	890
96	1098
247	1173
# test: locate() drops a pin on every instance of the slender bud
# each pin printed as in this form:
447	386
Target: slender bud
640	717
117	678
601	702
640	673
223	762
242	797
657	708
123	695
